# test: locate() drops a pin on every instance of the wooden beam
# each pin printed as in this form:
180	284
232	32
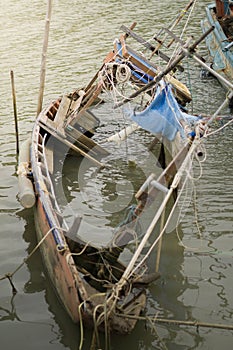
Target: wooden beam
61	138
148	45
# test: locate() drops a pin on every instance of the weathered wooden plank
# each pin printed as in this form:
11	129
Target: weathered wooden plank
61	138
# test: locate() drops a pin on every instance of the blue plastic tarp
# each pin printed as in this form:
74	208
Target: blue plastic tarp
163	115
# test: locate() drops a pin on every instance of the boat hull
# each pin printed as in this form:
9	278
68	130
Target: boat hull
78	297
59	271
217	44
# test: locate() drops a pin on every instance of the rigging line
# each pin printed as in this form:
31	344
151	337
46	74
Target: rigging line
80	253
81	326
161	233
179	220
81	320
193	178
196	211
203	148
182	33
130	268
174	23
11	274
219	129
189	83
98	319
189	15
113	92
197	225
195	250
111	81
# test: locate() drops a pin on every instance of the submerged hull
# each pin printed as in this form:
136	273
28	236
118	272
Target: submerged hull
93	284
60	272
80	299
71	290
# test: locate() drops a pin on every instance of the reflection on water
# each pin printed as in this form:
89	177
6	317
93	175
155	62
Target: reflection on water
196	282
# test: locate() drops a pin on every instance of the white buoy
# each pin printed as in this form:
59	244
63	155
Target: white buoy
123	134
26	192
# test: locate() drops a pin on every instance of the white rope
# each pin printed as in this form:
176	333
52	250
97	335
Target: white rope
130	269
162	232
219	129
182	33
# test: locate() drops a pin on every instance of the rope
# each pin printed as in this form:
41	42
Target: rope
9	275
129	271
81	320
161	232
182	33
219	129
200	161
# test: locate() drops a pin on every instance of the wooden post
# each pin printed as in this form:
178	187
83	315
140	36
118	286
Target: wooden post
44	53
162	219
15	111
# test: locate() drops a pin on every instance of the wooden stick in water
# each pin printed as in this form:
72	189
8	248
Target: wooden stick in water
15	111
162	219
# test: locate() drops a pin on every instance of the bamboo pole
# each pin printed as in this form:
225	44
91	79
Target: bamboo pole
44	54
130	269
147	235
197	324
162	220
209	69
15	111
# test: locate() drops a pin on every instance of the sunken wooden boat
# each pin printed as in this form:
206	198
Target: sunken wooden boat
94	285
220	41
82	275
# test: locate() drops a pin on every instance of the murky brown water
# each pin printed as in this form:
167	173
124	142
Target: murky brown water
196	281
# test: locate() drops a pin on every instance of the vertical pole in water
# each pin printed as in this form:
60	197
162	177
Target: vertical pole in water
44	53
15	111
162	219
